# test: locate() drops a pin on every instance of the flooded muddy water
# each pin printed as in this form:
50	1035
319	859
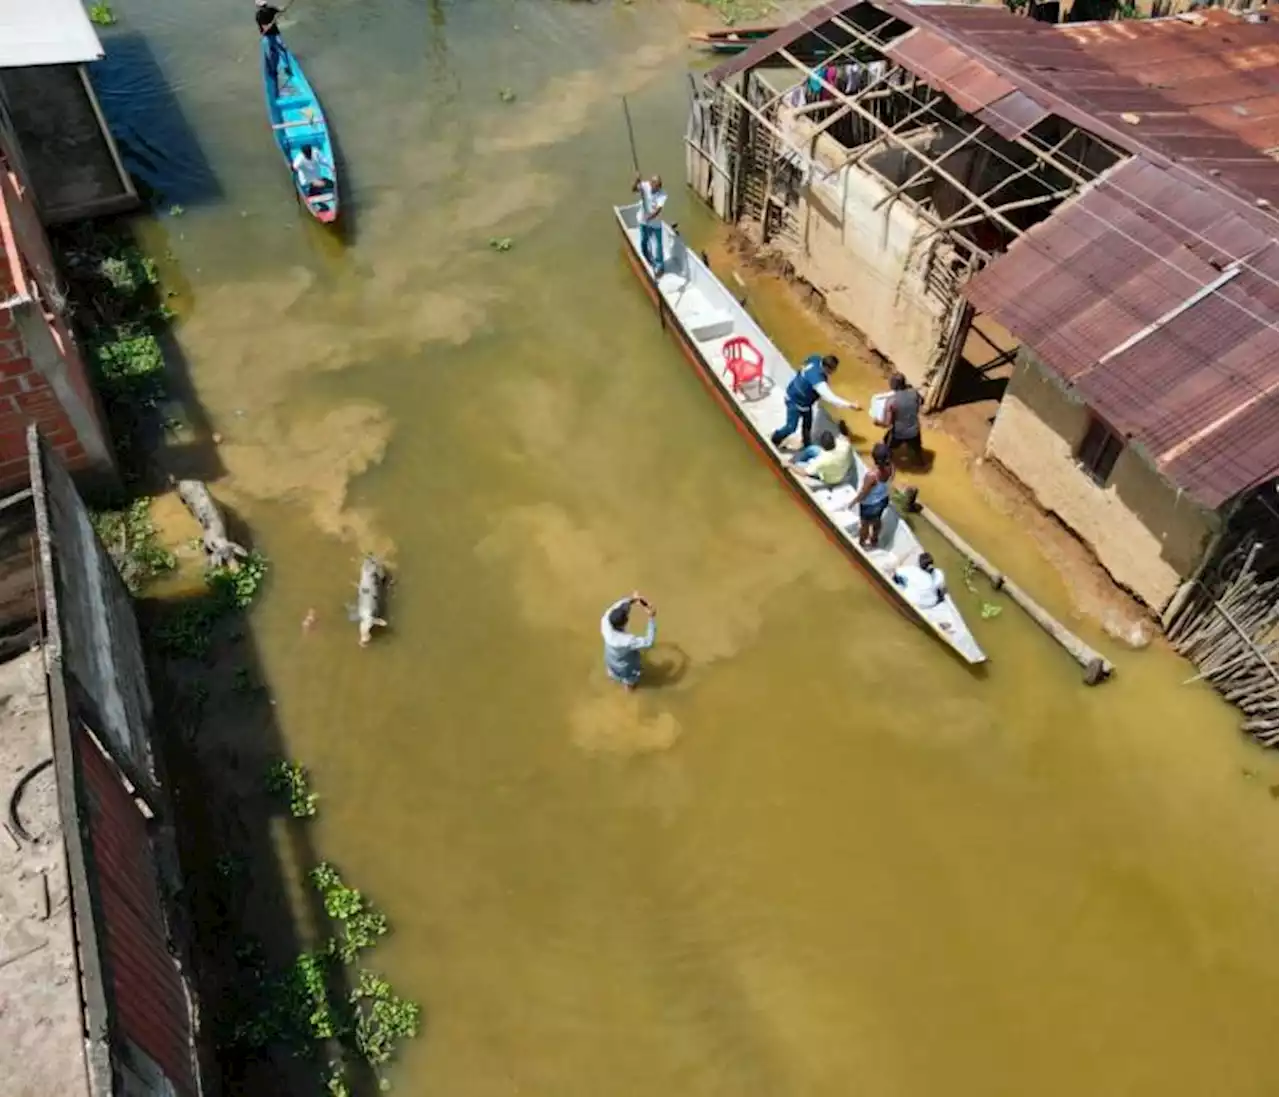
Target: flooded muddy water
819	856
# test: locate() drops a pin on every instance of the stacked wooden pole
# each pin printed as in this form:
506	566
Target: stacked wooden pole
1234	640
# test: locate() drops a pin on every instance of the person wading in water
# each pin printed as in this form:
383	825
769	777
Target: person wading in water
622	648
902	417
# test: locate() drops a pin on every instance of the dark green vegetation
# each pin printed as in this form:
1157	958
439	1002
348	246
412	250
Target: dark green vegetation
130	537
302	1008
289	780
187	630
119	310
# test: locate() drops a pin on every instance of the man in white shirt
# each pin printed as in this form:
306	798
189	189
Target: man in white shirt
622	648
652	200
313	173
924	584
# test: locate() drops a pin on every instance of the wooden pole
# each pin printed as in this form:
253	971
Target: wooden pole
631	135
1096	668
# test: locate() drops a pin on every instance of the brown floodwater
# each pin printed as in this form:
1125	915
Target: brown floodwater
821	857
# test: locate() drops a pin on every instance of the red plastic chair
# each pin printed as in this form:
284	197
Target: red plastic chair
743	361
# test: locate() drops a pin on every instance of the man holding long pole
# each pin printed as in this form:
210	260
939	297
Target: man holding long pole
267	17
652	199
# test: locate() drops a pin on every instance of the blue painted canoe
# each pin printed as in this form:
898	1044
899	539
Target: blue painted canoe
297	121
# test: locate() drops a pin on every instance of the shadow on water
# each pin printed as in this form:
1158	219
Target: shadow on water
242	855
141	410
158	145
666	666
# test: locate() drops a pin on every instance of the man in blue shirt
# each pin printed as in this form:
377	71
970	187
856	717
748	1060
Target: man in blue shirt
622	648
804	391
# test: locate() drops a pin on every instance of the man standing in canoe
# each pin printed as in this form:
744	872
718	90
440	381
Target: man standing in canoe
652	199
806	388
622	648
267	17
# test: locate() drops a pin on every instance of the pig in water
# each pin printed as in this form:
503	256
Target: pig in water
373	577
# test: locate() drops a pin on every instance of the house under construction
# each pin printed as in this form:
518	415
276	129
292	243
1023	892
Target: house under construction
1075	224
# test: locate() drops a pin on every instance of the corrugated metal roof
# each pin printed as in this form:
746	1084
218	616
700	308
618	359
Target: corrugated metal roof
46	32
1203	86
146	990
1198	392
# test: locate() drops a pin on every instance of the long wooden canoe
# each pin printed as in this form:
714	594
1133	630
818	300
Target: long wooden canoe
296	118
703	315
730	39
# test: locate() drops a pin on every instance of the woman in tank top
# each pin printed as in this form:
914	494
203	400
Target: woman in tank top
873	496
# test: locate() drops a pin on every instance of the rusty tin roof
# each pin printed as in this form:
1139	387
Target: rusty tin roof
1137	310
1202	86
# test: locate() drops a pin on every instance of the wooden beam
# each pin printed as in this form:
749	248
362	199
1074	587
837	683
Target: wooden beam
899	128
928	167
808	161
957	221
911	150
1021	140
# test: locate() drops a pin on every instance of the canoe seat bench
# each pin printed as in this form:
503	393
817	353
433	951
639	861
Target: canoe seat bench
703	320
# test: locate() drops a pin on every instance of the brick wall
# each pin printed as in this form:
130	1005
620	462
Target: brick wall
25	397
43	375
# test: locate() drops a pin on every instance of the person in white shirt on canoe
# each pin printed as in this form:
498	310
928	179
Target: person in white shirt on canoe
315	176
923	582
652	201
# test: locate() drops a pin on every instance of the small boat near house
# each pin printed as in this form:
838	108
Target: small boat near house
730	39
705	316
297	120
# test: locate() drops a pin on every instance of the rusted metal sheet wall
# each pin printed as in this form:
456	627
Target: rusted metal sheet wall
145	986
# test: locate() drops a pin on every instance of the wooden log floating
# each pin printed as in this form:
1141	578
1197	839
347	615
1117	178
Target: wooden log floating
1096	668
219	548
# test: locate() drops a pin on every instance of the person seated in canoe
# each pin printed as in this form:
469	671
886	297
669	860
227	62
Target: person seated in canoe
315	176
872	499
652	201
828	463
923	582
267	17
802	395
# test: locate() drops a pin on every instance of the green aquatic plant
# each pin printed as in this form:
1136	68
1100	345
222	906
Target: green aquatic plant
236	588
358	924
129	536
507	95
500	243
101	14
289	779
176	210
382	1018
